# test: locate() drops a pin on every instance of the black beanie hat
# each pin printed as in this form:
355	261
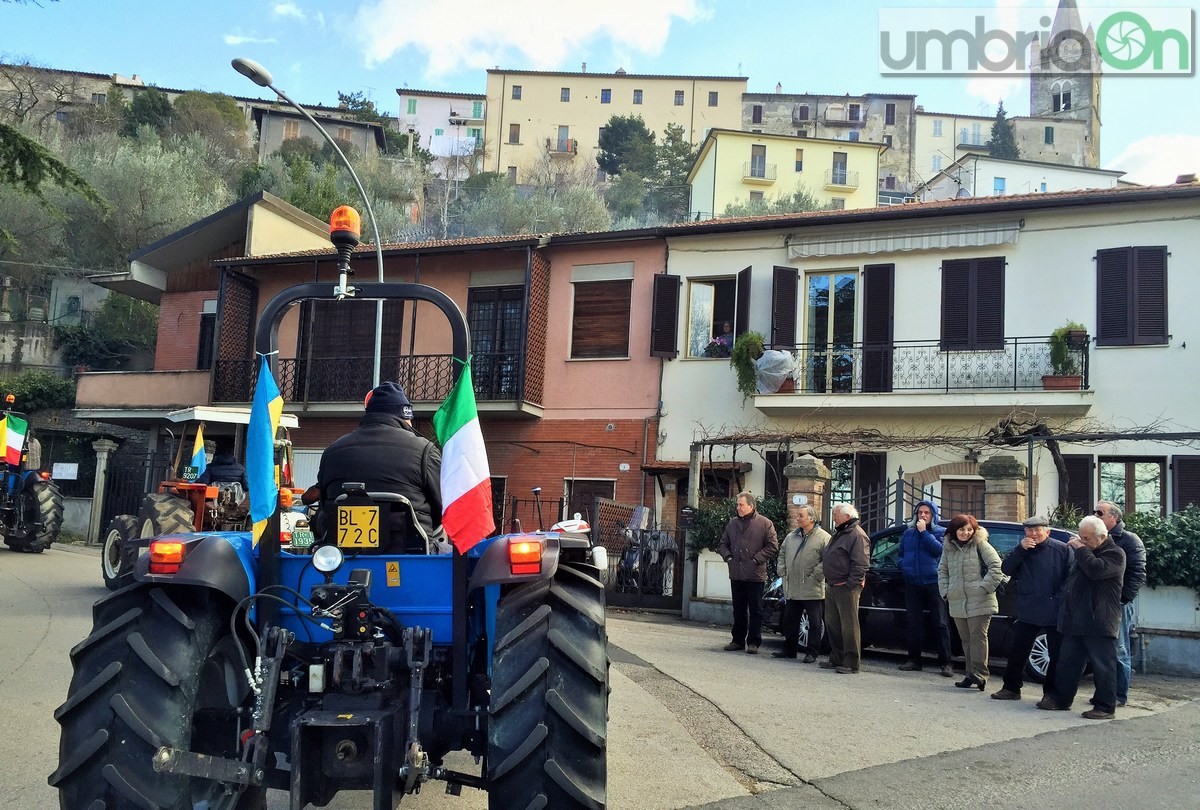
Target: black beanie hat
389	398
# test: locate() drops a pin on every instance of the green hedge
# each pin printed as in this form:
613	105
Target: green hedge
1172	546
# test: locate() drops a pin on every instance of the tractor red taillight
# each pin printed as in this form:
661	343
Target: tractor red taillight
166	556
525	556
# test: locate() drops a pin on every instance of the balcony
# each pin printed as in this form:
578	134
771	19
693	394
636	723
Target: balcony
840	178
845	118
918	375
759	172
562	146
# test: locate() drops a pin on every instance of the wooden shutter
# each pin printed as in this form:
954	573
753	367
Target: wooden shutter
664	317
878	326
1150	295
1080	469
1185	472
741	313
987	299
600	322
956	304
1114	297
785	286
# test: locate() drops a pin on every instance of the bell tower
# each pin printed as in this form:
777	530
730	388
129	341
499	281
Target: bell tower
1064	77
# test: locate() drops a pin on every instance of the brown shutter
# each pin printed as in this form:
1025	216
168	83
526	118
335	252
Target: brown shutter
664	318
741	316
987	298
1185	471
1150	294
785	285
1114	297
878	325
600	323
1079	481
956	304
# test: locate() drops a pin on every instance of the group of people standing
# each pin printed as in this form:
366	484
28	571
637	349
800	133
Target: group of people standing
1078	594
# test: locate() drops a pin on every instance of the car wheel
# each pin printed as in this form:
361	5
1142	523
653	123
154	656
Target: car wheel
1039	660
802	639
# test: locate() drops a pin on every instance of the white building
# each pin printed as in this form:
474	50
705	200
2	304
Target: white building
978	175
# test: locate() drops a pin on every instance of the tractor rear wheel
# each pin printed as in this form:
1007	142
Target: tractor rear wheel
548	727
160	668
165	514
120	551
40	506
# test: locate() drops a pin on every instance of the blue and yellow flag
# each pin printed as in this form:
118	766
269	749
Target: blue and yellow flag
265	413
199	458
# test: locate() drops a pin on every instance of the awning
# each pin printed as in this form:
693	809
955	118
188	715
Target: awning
672	470
899	240
224	416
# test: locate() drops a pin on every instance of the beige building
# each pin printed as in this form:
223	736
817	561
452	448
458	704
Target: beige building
538	117
742	167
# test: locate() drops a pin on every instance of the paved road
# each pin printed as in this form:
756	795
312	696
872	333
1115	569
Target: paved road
692	726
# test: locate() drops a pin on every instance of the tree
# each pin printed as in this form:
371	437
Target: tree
363	109
151	108
123	327
798	201
39	391
28	165
670	193
100	119
1003	143
627	145
216	116
626	196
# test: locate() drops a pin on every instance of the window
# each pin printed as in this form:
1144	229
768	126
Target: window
889	113
600	320
514	133
1043	186
837	203
802	112
973	304
512	173
601	175
439	131
637	96
758	160
678	98
976	133
855	113
564	94
830	303
998	184
937	163
1134	484
582	495
206	348
291	129
889	182
476	133
962	135
516	93
564	140
799	160
838	174
802	133
887	141
710	304
477	109
606	96
98	98
344	134
61	116
775	483
937	127
1185	477
854	136
1049	136
756	197
494	317
712	98
1131	305
412	106
1060	95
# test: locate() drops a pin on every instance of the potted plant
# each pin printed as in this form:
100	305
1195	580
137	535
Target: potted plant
1065	341
747	348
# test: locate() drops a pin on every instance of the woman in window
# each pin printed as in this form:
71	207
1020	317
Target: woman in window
968	576
721	344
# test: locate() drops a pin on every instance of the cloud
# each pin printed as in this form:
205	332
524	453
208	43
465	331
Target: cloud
536	34
288	9
239	39
992	89
1159	159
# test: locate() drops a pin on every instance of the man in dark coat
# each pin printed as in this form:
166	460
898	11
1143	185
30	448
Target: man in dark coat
1089	620
1135	578
748	544
847	558
1038	567
224	468
385	454
920	552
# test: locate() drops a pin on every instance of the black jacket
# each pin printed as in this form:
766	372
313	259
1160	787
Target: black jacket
1038	575
386	456
1135	561
1091	605
847	556
224	468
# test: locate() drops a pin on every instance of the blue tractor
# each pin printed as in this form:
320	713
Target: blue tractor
228	669
31	506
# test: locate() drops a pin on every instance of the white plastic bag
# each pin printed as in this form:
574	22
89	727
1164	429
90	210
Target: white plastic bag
772	369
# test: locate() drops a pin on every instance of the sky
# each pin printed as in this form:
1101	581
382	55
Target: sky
1151	123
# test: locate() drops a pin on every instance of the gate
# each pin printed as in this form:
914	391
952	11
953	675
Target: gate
131	476
526	511
895	502
643	561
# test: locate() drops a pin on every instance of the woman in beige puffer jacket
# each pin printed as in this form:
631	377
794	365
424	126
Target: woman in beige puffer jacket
968	576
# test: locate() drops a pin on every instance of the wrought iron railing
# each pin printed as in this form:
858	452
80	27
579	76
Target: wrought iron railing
1017	364
841	177
425	377
759	170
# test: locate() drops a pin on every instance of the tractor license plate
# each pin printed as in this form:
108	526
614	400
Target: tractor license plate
302	538
358	526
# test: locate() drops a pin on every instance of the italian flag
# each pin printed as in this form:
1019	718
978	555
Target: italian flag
466	480
12	437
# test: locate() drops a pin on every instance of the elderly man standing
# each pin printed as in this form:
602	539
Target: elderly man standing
748	544
803	585
1038	566
1089	620
1135	578
847	558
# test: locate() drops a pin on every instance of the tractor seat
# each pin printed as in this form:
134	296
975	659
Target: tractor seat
401	532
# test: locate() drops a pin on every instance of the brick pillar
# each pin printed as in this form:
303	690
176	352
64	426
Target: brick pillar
103	448
1004	488
807	481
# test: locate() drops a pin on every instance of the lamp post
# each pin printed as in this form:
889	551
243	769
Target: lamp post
457	123
262	77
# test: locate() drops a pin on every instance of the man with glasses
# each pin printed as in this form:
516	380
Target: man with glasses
1135	578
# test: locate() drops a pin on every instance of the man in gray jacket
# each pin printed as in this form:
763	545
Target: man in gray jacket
803	585
747	546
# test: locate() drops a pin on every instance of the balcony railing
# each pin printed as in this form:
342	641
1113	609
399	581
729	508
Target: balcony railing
755	172
1018	364
841	178
849	117
562	146
425	377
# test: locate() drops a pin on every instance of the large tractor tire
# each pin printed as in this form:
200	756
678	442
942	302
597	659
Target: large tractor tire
160	668
164	514
547	734
120	551
40	506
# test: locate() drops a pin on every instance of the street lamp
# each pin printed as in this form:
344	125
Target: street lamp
262	77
